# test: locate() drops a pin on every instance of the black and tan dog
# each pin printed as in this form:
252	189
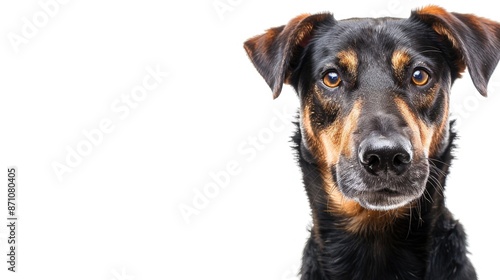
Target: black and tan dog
374	139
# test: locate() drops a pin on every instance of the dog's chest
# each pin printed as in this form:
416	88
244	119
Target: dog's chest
374	257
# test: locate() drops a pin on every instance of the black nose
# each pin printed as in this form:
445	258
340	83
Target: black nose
379	154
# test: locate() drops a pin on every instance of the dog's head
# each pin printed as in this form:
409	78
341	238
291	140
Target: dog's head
374	94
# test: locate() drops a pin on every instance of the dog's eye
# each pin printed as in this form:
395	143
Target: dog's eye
420	77
332	79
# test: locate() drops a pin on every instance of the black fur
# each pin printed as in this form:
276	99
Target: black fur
429	245
425	242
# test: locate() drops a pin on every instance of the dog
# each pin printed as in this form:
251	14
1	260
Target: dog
374	138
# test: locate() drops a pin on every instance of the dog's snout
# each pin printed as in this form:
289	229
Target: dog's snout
381	155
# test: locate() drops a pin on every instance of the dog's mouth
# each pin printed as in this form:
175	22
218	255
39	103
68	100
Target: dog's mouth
383	192
384	199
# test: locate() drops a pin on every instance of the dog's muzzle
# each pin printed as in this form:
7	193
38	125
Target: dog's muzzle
381	155
386	173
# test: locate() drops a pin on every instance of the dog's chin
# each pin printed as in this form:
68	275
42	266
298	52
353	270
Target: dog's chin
372	202
383	199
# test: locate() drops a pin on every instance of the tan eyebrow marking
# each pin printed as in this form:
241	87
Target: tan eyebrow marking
349	59
400	59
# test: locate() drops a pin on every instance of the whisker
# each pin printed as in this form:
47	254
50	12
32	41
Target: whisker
409	224
438	161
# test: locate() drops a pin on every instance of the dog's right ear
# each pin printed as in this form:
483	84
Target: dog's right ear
274	52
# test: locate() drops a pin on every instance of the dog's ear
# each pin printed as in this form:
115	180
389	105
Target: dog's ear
275	52
475	41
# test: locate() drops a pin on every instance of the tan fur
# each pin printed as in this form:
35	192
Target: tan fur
421	133
440	130
349	59
400	60
359	220
329	144
442	30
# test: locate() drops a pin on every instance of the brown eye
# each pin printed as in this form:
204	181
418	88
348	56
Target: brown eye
420	77
332	79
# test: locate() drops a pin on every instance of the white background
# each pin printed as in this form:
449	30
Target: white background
116	214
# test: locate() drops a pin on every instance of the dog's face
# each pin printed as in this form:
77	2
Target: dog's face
374	107
374	94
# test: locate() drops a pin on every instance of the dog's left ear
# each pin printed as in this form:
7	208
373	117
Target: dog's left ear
275	53
475	40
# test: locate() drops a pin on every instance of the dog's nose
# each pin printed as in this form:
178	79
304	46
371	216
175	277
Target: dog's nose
381	155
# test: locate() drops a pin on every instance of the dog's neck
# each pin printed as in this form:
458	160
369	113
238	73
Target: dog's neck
366	247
